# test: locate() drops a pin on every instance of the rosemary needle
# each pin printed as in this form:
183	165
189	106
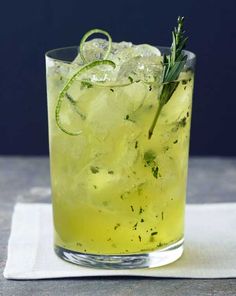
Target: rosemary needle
173	64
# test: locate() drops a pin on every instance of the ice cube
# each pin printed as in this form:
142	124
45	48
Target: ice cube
100	74
119	46
93	50
124	51
146	50
122	54
101	117
147	69
133	62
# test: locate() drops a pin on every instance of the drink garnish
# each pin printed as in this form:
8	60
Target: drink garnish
87	35
65	89
173	64
150	161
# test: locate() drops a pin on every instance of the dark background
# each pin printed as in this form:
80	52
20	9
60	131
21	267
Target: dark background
29	28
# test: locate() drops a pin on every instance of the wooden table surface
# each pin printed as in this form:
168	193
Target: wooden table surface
27	179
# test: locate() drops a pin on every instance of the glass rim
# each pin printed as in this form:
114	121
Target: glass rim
191	56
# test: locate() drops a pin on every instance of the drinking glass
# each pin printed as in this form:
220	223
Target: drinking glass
118	190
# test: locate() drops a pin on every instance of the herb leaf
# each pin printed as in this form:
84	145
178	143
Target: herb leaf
149	157
94	169
173	65
150	160
74	105
86	84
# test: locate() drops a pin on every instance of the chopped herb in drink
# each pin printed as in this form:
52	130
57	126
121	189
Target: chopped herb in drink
135	226
141	210
127	117
155	172
131	79
86	84
180	124
154	233
149	157
183	122
75	106
94	169
116	226
150	160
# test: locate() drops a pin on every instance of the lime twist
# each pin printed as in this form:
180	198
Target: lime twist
87	67
87	35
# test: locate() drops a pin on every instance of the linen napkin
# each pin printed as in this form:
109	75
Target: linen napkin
210	246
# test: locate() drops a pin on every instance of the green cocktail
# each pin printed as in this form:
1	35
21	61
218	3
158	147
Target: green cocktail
118	154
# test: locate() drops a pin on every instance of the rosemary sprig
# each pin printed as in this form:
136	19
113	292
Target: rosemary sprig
173	64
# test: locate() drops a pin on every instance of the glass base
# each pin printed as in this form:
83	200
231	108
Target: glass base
146	260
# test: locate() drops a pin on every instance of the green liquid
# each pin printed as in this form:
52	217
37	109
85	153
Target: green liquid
114	190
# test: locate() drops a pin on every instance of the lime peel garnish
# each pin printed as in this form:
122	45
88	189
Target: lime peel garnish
67	87
87	35
103	85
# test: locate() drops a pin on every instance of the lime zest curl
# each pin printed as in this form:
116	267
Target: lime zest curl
67	86
87	35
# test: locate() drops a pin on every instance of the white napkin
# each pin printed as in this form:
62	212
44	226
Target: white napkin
210	246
